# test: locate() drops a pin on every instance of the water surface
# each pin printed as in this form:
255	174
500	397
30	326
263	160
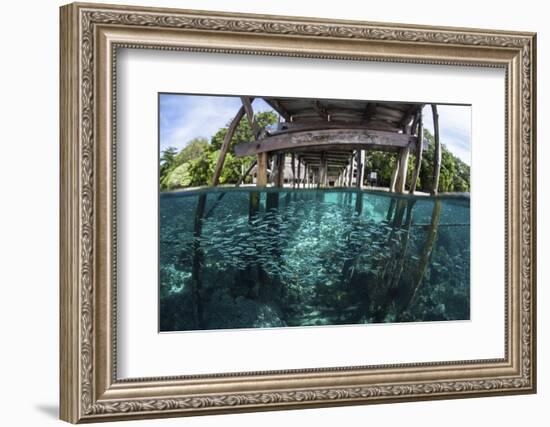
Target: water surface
239	258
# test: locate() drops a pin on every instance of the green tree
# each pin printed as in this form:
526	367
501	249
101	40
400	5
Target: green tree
193	150
201	169
194	165
383	164
243	133
167	161
172	173
454	175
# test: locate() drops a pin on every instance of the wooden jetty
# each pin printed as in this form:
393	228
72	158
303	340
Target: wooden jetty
322	143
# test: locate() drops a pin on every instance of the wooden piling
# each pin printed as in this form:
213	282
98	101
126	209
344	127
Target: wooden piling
261	170
402	170
225	145
197	261
394	175
419	150
437	151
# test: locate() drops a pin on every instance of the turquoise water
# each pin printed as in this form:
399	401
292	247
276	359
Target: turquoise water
240	258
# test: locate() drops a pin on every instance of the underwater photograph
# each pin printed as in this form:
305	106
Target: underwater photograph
292	212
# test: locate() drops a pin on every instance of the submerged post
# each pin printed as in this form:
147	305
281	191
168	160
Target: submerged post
426	252
437	152
198	256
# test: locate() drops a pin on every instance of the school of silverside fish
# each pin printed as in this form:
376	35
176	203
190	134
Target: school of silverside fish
284	257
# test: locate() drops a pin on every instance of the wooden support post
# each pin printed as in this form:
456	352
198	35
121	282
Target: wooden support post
359	202
345	176
316	176
293	165
394	175
299	172
279	169
225	145
360	168
402	170
426	252
323	170
198	258
437	152
365	176
419	150
253	204
261	170
247	105
351	166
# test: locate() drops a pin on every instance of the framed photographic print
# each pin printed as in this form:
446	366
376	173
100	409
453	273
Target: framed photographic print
267	212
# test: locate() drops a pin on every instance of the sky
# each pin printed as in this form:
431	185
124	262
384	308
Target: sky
185	117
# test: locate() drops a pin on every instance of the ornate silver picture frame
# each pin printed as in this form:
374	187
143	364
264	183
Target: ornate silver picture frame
91	36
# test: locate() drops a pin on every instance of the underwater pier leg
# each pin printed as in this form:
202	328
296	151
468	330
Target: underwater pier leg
271	200
359	202
394	267
198	255
253	204
390	210
426	252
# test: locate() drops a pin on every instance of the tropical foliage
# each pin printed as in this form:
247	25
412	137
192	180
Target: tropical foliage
194	165
454	175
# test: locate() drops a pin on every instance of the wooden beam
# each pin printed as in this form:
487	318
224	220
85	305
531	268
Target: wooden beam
437	152
402	170
407	116
288	127
261	170
225	145
386	110
419	150
247	104
321	110
277	106
337	139
370	109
